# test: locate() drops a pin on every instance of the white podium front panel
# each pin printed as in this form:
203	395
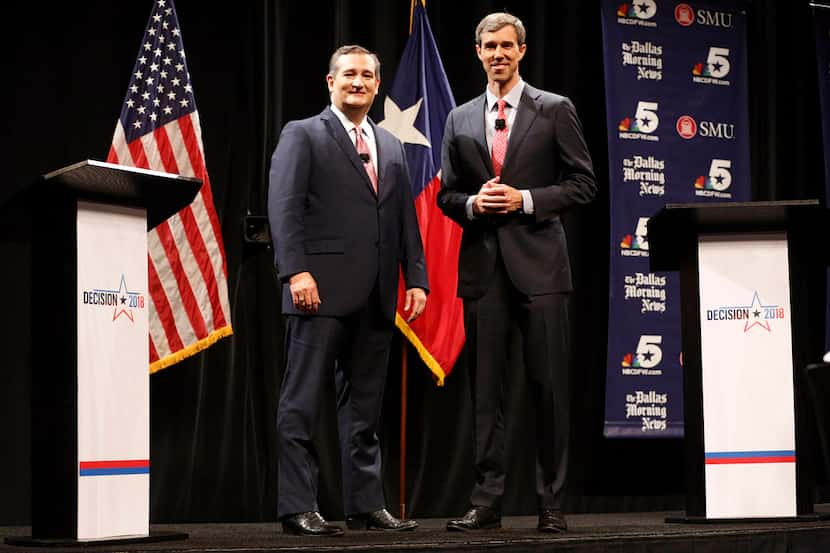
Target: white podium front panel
113	376
746	346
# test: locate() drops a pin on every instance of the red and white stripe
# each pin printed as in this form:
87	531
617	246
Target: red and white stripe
188	282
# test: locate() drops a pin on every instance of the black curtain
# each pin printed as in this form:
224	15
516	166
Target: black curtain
258	64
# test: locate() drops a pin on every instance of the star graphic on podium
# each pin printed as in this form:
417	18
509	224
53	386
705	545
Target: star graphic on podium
755	310
401	123
118	311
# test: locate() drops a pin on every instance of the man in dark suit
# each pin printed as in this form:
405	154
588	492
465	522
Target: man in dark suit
344	225
513	160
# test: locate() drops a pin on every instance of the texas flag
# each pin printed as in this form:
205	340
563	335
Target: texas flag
415	111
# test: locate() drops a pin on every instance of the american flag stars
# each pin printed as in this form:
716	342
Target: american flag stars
159	91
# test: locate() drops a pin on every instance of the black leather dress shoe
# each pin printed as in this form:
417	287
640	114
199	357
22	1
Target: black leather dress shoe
552	521
477	518
309	524
379	520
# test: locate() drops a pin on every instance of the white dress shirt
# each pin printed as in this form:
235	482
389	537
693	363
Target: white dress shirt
368	134
491	112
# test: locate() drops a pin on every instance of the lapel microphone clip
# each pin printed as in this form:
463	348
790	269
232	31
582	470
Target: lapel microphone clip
500	124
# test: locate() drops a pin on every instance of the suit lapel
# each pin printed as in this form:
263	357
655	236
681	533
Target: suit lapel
339	135
478	132
526	114
384	146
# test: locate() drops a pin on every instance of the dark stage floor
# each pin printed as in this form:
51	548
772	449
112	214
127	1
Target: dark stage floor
612	533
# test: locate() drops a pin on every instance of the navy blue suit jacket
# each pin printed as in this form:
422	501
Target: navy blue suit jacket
326	219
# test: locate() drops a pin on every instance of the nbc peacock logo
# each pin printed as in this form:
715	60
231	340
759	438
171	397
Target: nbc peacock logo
636	245
633	242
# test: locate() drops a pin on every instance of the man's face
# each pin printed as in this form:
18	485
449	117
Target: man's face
500	54
354	84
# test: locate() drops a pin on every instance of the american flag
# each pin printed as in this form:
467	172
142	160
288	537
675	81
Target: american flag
159	129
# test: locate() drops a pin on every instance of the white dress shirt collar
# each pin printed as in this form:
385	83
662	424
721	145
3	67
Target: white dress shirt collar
368	134
512	98
348	125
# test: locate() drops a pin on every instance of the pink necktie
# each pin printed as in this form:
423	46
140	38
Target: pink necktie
500	140
366	157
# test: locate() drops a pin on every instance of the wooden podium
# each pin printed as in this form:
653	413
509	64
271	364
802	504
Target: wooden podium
745	271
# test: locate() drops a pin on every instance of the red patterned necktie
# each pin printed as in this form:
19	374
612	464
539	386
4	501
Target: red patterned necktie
500	140
366	157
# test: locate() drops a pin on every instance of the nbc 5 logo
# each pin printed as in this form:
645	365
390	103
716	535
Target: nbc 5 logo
717	63
636	245
646	116
717	182
643	124
641	232
720	174
715	69
640	9
648	354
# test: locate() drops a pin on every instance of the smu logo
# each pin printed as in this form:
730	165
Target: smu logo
686	16
688	128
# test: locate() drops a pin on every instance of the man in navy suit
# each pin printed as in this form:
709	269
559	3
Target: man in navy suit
344	226
513	160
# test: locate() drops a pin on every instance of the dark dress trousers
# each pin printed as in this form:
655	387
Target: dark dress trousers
326	219
513	270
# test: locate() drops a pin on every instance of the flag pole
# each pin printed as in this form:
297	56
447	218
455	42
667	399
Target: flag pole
402	484
402	499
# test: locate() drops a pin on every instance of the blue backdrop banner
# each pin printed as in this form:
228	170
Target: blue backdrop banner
676	103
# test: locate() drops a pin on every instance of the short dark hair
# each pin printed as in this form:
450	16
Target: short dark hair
495	21
352	49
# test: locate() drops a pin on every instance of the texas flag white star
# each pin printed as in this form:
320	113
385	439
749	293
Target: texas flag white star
402	123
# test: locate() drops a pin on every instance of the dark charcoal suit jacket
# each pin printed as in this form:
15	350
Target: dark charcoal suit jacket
547	155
